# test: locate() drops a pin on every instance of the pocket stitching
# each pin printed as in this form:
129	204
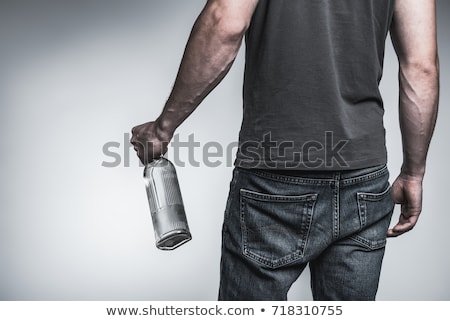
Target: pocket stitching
362	198
372	245
276	198
309	201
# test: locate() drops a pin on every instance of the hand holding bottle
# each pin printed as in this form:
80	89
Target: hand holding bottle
150	141
170	224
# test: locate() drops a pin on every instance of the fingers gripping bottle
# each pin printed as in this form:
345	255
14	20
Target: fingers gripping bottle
166	205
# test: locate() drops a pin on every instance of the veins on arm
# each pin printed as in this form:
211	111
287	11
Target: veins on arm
414	38
210	52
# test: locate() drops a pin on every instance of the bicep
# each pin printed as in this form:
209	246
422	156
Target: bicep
413	31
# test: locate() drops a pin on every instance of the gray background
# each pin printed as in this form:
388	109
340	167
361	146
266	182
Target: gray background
75	75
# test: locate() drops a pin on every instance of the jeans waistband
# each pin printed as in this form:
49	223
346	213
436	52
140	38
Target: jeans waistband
345	177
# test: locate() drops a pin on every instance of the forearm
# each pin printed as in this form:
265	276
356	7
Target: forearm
209	54
414	36
418	107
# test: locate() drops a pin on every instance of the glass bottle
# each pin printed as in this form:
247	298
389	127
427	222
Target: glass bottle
166	204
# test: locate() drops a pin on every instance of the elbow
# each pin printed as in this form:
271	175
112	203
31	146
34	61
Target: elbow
428	68
228	27
425	67
231	32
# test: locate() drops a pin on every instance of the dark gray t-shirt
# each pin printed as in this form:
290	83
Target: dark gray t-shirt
311	95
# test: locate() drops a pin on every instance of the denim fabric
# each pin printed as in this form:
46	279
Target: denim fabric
276	224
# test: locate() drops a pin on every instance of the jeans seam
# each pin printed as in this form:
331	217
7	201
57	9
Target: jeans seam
336	213
307	227
362	210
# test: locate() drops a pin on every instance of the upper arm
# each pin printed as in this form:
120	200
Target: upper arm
413	32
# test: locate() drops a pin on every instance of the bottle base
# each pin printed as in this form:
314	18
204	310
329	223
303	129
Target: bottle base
173	239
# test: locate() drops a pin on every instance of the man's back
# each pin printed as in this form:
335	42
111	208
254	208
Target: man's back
311	78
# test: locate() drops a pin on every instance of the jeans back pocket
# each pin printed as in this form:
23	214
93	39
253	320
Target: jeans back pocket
375	211
275	228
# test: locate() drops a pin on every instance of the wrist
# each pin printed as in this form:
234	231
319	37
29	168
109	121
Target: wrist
164	130
170	118
413	173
